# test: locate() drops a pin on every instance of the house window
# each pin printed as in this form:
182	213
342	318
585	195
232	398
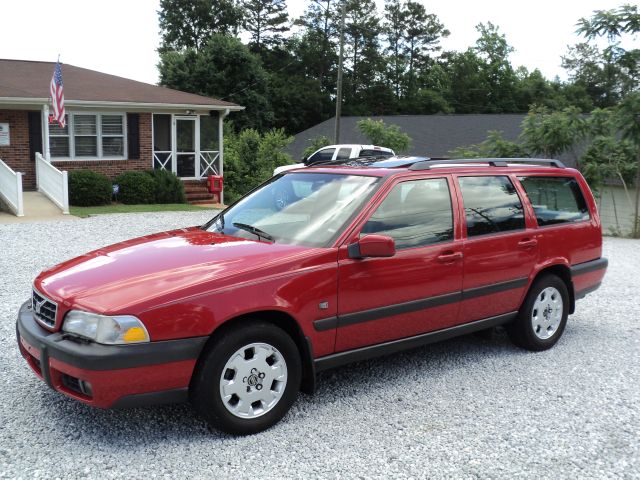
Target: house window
89	135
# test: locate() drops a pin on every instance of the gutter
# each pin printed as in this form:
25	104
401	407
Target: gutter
110	104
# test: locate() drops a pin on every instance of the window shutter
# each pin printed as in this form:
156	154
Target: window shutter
133	136
35	134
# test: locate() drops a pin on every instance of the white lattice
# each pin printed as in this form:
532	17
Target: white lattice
209	163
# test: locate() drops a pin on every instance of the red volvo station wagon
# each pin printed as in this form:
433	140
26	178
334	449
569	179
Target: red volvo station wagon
316	268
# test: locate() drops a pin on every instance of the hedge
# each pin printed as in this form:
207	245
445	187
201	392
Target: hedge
135	188
168	187
88	188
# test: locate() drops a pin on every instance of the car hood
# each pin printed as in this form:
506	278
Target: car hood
162	267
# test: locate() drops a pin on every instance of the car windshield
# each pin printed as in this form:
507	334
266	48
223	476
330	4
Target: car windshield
297	208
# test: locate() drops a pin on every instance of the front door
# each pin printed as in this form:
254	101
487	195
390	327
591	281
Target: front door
186	147
419	288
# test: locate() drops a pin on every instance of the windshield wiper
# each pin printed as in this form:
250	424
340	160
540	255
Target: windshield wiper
256	231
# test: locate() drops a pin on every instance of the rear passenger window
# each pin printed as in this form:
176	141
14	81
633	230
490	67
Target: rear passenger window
555	199
414	214
491	205
343	153
321	156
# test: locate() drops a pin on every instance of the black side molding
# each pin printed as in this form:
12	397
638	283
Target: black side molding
416	305
178	395
585	291
365	353
589	266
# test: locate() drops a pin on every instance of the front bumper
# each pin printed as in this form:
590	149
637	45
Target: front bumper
108	376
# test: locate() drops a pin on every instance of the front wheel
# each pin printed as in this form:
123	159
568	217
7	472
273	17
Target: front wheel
543	316
247	379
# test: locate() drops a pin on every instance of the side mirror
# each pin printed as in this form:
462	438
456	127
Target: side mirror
373	246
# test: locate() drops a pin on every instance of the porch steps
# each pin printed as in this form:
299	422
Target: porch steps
197	192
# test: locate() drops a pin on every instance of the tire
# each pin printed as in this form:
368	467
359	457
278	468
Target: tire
247	379
543	315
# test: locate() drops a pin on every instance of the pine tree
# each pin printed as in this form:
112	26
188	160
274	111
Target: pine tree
266	21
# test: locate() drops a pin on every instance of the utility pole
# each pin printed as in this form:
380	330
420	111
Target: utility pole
339	92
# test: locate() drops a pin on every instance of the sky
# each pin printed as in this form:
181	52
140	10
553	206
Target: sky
120	37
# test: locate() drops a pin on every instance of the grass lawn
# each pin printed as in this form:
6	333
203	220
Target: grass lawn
121	208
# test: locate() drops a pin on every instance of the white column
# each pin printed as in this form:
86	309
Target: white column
221	116
45	133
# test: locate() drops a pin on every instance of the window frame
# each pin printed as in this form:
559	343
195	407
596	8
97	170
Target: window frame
463	213
453	202
532	214
99	148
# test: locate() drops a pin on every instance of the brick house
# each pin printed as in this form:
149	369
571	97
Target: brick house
114	124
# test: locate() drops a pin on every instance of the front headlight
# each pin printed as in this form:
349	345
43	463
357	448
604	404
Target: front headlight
110	330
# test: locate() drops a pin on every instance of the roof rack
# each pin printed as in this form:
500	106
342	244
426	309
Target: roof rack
493	162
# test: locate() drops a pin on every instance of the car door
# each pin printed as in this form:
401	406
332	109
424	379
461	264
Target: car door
500	246
416	290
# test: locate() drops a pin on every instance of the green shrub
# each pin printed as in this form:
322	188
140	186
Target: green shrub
168	187
88	188
135	188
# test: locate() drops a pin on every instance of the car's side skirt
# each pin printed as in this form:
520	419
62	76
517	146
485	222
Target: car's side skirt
394	346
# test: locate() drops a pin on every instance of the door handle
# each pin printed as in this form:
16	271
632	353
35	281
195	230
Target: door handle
528	243
449	257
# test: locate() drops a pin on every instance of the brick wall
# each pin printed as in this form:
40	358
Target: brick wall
18	158
112	168
16	155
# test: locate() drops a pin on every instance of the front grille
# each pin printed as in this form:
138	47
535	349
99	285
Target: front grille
44	310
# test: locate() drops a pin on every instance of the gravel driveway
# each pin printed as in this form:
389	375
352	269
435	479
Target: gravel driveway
473	407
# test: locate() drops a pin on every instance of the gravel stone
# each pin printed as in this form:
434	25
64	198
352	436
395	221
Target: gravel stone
472	407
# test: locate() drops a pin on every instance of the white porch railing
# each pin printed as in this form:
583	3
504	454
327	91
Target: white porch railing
11	189
53	183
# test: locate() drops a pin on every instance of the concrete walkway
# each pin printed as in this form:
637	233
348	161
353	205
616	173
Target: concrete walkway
37	208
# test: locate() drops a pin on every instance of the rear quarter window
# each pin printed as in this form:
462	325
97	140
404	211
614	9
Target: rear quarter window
556	200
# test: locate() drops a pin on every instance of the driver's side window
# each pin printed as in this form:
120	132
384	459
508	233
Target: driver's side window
414	214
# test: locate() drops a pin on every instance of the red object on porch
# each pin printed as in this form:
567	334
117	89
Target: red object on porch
215	183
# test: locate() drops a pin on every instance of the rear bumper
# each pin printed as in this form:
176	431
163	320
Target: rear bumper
108	376
587	276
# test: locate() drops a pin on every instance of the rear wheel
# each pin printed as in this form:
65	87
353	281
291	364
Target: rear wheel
247	379
543	316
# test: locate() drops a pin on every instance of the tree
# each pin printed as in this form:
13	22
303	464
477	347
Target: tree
251	157
189	23
495	146
551	134
422	36
266	21
223	68
493	49
613	72
383	135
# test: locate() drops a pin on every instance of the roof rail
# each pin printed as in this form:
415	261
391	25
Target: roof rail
493	162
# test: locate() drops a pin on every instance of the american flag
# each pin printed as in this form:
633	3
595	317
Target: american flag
57	96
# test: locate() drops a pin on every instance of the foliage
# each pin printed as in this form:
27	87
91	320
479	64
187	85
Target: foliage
135	188
495	146
265	21
223	68
168	187
611	73
316	144
551	134
250	159
383	135
186	24
88	188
